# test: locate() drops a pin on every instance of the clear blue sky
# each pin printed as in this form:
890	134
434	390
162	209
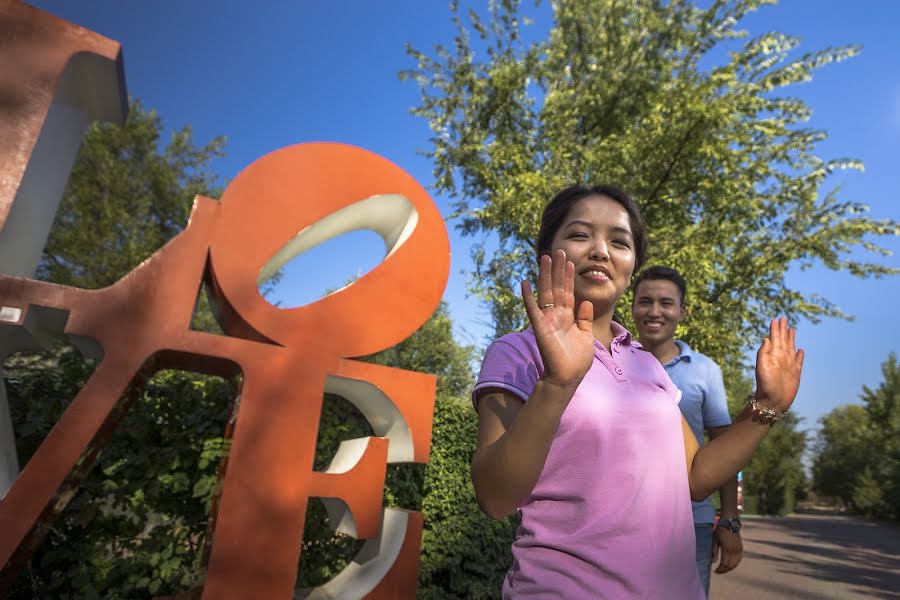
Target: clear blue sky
270	74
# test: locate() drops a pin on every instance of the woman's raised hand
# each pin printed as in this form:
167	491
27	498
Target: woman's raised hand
778	367
565	337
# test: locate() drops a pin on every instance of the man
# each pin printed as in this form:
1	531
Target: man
658	308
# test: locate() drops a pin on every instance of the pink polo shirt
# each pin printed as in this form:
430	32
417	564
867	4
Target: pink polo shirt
610	515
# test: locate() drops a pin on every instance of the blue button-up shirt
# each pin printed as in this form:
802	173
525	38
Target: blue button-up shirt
703	403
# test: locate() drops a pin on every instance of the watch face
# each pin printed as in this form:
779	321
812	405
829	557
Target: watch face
732	525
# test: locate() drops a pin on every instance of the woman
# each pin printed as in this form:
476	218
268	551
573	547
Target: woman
579	429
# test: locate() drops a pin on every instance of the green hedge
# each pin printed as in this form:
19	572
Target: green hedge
464	553
137	525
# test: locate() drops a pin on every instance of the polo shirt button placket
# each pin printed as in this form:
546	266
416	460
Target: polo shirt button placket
618	370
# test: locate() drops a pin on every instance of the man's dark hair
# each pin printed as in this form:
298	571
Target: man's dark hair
657	272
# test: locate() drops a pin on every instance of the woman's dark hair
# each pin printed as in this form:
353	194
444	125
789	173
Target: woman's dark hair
558	209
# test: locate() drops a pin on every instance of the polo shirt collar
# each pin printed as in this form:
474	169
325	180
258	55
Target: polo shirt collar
622	335
686	353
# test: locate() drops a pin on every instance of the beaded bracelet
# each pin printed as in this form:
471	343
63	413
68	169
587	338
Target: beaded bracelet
764	414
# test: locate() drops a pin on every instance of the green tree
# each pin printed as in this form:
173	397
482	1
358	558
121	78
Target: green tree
661	99
126	197
774	476
869	497
883	407
858	451
842	451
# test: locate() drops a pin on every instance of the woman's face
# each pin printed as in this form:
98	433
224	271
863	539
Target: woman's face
596	236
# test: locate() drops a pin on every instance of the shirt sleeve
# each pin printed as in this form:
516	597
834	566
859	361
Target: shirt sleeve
670	386
715	401
664	380
505	366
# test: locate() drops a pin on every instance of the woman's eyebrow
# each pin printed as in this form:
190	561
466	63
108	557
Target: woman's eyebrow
587	224
620	229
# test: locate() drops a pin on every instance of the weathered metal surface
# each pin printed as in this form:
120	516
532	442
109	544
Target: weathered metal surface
280	205
55	77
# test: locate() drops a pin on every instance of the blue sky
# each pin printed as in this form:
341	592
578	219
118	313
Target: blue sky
271	74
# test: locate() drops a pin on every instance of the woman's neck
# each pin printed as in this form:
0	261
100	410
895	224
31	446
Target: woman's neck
603	329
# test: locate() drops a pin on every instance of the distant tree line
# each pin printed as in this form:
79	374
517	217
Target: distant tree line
857	453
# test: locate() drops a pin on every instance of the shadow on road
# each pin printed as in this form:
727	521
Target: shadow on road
806	556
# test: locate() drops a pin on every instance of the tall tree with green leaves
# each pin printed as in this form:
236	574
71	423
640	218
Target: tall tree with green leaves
127	195
666	101
883	407
842	451
774	476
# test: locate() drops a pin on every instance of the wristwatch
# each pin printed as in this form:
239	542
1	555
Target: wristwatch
732	525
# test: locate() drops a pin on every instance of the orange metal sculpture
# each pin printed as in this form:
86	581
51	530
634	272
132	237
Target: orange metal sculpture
279	206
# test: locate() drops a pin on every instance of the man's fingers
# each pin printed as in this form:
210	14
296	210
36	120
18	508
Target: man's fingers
777	334
724	565
728	562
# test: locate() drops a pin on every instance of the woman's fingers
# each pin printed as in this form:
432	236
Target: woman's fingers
570	284
554	279
544	282
585	316
556	287
558	278
531	307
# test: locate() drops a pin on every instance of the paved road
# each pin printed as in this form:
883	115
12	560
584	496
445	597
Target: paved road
813	557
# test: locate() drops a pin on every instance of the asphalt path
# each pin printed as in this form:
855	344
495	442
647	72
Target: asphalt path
813	557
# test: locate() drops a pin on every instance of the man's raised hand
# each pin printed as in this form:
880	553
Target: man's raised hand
778	367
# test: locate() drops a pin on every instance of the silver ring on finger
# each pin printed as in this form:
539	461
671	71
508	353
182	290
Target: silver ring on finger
551	305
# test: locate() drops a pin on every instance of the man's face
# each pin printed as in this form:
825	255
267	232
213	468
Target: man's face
657	310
